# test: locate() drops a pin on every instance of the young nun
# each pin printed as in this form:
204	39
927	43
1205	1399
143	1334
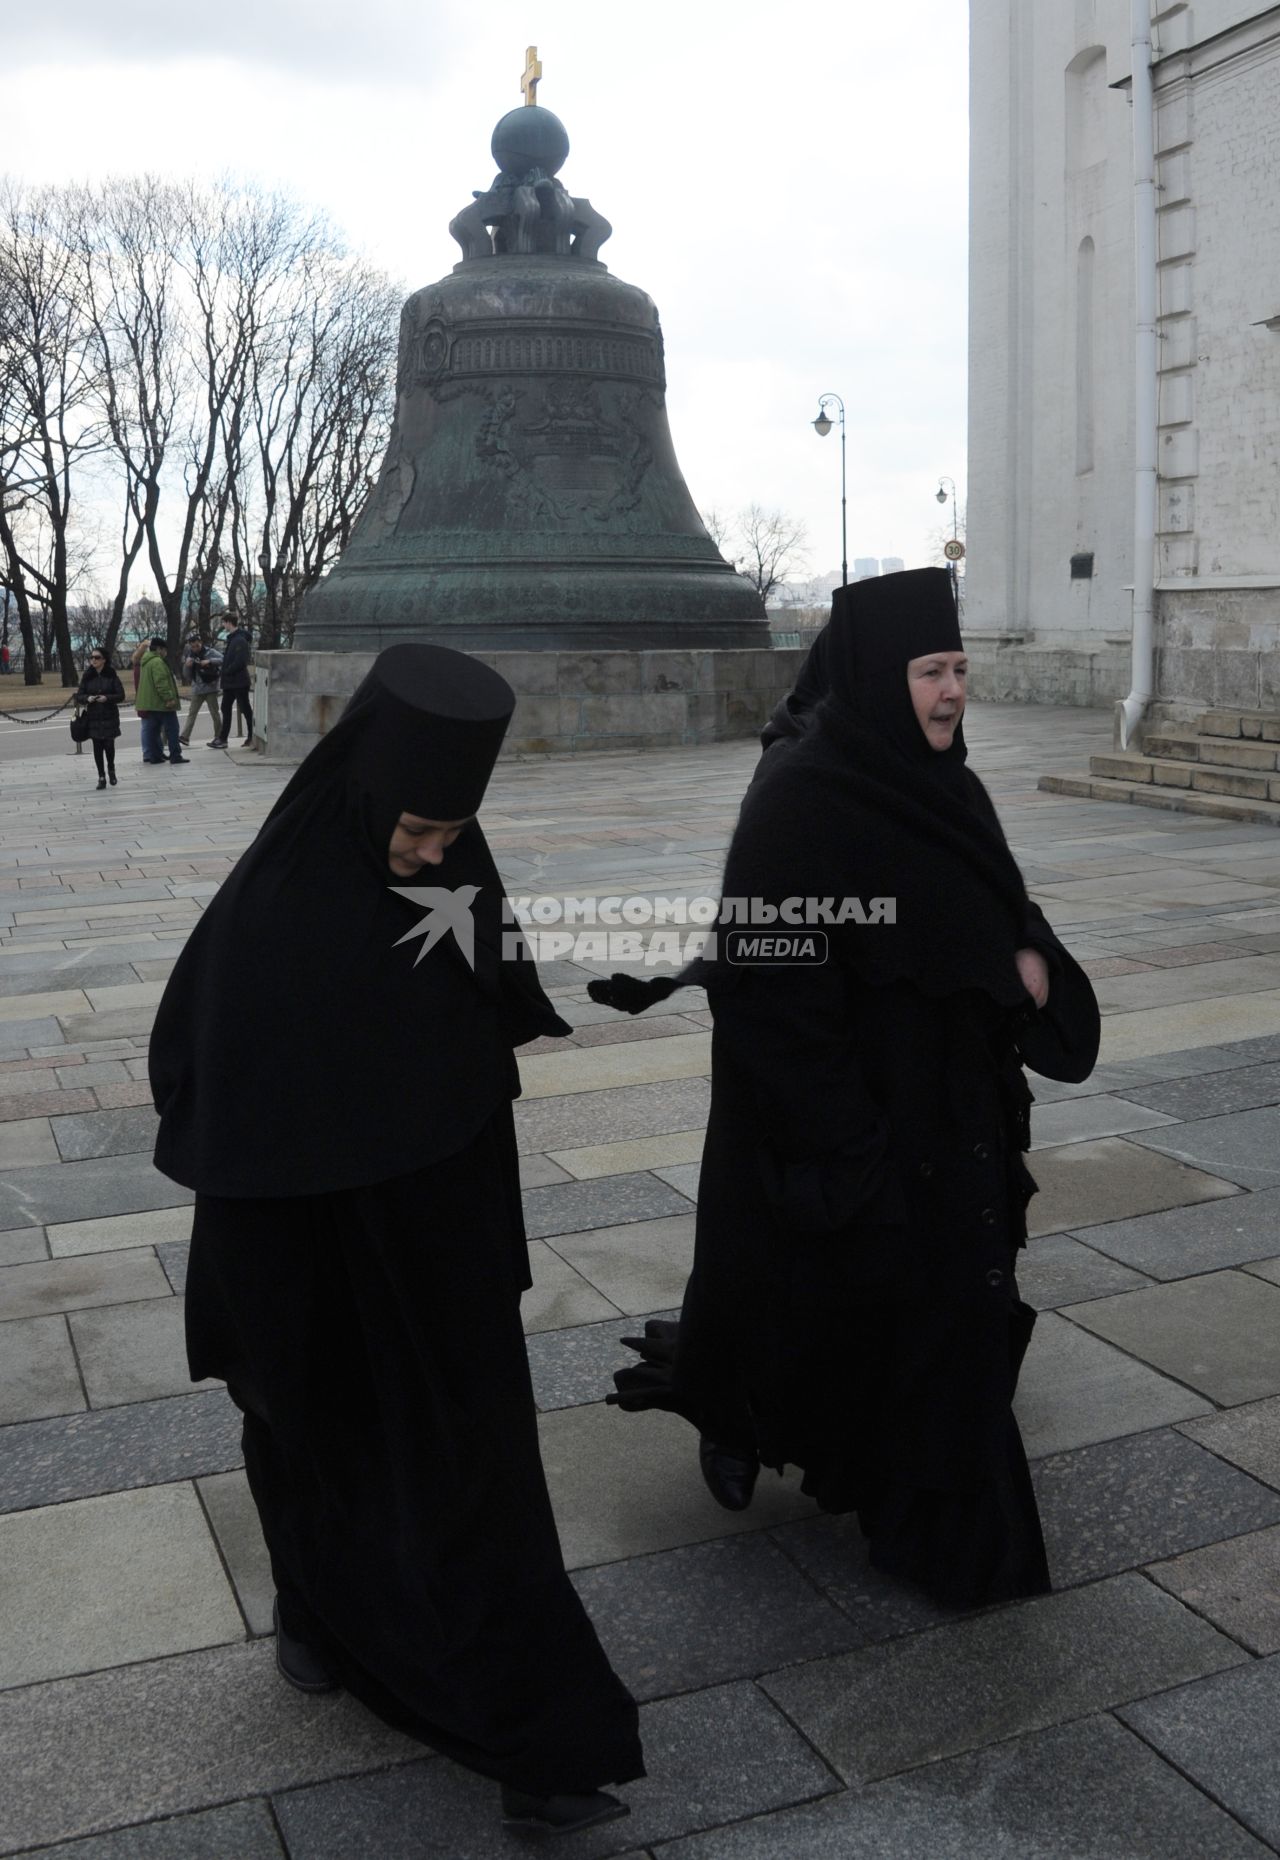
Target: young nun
853	1308
358	1251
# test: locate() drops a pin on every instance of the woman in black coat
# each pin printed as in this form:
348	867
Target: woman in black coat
101	694
853	1307
358	1251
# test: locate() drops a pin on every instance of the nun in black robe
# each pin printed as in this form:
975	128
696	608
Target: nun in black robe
332	1063
853	1308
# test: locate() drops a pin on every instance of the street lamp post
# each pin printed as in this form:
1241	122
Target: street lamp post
822	426
941	495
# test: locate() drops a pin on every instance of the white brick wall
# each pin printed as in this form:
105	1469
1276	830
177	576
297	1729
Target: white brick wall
1038	103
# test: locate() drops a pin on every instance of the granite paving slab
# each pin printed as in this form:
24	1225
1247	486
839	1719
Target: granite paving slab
1220	1332
891	1706
576	1365
1236	1585
122	1023
560	1296
1268	1269
1085	1791
572	1207
46	1286
1076	1389
1241	1146
118	1449
1058	1270
1202	1238
1110	1179
18	1036
1224	1734
625	1484
1123	1503
117	1231
240	1831
1220	1020
541	1172
641	1266
584	1118
136	1352
1212	1094
832	1553
683	1177
173	1256
104	975
45	1105
1078	1120
105	1581
38	1375
233	1517
188	1732
21	1245
711	1759
25	1143
77	1191
1249	1437
656	1153
707	1613
106	1133
686	1055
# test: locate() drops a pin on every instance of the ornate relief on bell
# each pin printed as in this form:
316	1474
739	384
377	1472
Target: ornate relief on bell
530	495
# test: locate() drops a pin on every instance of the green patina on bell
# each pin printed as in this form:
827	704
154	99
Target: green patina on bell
530	496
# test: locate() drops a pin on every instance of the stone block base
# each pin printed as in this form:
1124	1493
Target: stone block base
1007	669
567	702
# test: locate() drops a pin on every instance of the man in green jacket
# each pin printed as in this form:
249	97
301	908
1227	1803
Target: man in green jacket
157	705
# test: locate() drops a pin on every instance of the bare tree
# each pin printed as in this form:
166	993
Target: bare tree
46	431
764	545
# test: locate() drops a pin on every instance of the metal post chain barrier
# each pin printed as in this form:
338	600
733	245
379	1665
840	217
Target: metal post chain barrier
12	716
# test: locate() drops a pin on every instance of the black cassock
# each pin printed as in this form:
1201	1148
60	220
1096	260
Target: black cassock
853	1308
344	1113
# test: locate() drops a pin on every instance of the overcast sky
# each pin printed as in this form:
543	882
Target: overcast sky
788	182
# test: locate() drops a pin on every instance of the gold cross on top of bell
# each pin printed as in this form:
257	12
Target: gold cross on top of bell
532	72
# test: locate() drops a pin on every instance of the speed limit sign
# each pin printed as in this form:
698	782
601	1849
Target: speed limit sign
954	551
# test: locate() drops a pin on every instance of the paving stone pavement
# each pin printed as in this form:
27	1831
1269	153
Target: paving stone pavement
795	1703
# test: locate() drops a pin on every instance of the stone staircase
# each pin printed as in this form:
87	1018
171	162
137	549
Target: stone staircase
1225	763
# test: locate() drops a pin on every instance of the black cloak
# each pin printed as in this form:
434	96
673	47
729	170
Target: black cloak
358	1254
853	1307
348	1084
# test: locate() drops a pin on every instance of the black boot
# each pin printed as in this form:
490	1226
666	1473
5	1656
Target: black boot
730	1475
111	776
102	781
546	1816
297	1663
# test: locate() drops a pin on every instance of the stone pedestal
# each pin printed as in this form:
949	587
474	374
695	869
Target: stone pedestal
568	701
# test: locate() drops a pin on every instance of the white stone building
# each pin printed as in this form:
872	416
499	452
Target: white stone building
1054	296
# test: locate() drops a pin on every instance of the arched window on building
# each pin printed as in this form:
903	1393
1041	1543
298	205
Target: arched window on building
1084	356
1086	109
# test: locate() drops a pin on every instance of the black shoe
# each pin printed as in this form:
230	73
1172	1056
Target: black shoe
102	781
111	777
176	759
731	1477
297	1663
218	742
546	1816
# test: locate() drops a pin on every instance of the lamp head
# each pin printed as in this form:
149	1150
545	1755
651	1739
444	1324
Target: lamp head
941	495
822	425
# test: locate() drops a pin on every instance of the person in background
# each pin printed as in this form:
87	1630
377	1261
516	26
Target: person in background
200	669
102	694
4	660
234	680
135	663
158	703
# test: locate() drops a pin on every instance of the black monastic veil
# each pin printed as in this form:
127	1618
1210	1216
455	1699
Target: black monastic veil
344	1114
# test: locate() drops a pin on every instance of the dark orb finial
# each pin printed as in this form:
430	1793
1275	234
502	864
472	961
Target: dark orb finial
527	138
